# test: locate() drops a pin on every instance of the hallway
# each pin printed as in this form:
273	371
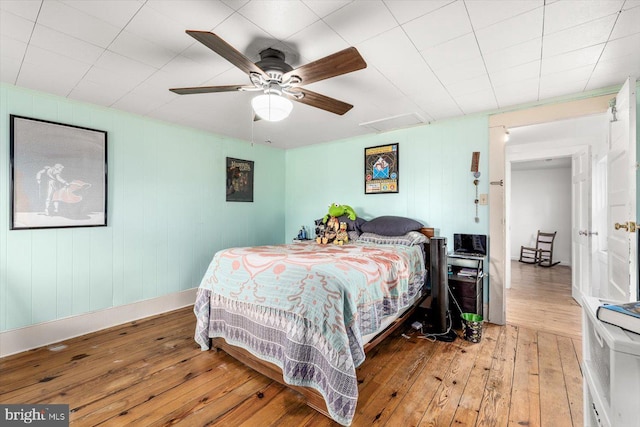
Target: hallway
540	298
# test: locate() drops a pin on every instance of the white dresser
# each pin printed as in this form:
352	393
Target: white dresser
611	370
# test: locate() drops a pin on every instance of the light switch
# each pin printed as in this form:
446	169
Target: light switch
483	199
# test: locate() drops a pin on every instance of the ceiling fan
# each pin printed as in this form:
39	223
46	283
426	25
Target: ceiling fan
278	81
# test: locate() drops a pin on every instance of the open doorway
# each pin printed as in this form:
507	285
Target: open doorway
499	178
549	187
540	198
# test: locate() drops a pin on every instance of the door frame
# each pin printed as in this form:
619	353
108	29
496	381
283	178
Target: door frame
498	123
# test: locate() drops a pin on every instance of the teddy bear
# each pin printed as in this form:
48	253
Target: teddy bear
331	230
342	236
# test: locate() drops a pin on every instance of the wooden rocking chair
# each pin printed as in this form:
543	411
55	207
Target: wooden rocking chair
542	254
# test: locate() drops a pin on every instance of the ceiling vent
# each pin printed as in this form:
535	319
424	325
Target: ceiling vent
395	122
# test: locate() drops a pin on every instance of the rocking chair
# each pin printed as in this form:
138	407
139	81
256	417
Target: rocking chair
542	254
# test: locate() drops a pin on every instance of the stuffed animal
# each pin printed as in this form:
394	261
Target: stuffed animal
331	230
342	236
336	210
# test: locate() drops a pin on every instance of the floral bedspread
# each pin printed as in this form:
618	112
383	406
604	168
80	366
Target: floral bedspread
305	308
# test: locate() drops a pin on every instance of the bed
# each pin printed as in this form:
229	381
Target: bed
305	314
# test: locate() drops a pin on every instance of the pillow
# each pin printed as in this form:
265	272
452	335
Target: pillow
390	226
409	239
352	225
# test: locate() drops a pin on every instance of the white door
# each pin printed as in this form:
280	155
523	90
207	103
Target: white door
581	223
621	189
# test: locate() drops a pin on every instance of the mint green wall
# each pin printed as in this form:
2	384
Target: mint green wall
166	211
436	185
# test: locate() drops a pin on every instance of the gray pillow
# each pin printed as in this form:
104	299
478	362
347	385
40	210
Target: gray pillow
391	225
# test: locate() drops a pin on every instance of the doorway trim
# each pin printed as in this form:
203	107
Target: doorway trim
498	124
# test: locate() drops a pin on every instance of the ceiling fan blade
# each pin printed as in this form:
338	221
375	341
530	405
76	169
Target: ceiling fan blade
224	49
209	89
339	63
323	102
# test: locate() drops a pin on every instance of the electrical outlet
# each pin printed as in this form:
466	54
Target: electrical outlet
416	325
483	199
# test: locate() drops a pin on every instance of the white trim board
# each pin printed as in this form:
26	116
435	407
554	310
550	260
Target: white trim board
34	336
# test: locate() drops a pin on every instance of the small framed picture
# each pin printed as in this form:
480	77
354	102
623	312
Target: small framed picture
381	169
239	180
58	175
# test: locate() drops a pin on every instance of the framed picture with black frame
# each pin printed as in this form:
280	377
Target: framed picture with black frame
381	169
58	175
239	180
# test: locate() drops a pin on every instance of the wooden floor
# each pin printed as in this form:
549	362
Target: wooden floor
540	298
151	372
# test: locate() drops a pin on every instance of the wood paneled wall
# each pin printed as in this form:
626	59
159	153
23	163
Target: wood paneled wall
167	215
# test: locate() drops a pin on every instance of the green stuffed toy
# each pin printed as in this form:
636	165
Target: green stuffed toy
336	210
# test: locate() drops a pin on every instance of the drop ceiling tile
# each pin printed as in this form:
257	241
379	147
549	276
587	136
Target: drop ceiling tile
314	42
144	98
387	50
235	4
513	56
484	13
160	29
519	92
361	20
436	102
27	9
9	68
244	36
323	8
139	49
566	82
628	23
510	32
62	73
565	14
464	70
439	26
479	83
621	47
408	10
452	52
571	60
614	72
515	74
15	27
193	14
65	45
483	100
71	21
187	73
116	70
12	48
280	18
99	93
578	37
106	10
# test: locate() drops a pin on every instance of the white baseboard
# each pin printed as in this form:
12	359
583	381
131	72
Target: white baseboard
34	336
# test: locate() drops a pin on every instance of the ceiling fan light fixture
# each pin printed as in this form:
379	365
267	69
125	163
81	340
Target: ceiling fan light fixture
271	107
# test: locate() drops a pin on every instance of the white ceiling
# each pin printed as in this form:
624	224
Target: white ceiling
436	59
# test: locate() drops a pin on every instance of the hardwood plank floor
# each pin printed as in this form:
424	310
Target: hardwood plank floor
540	299
151	373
